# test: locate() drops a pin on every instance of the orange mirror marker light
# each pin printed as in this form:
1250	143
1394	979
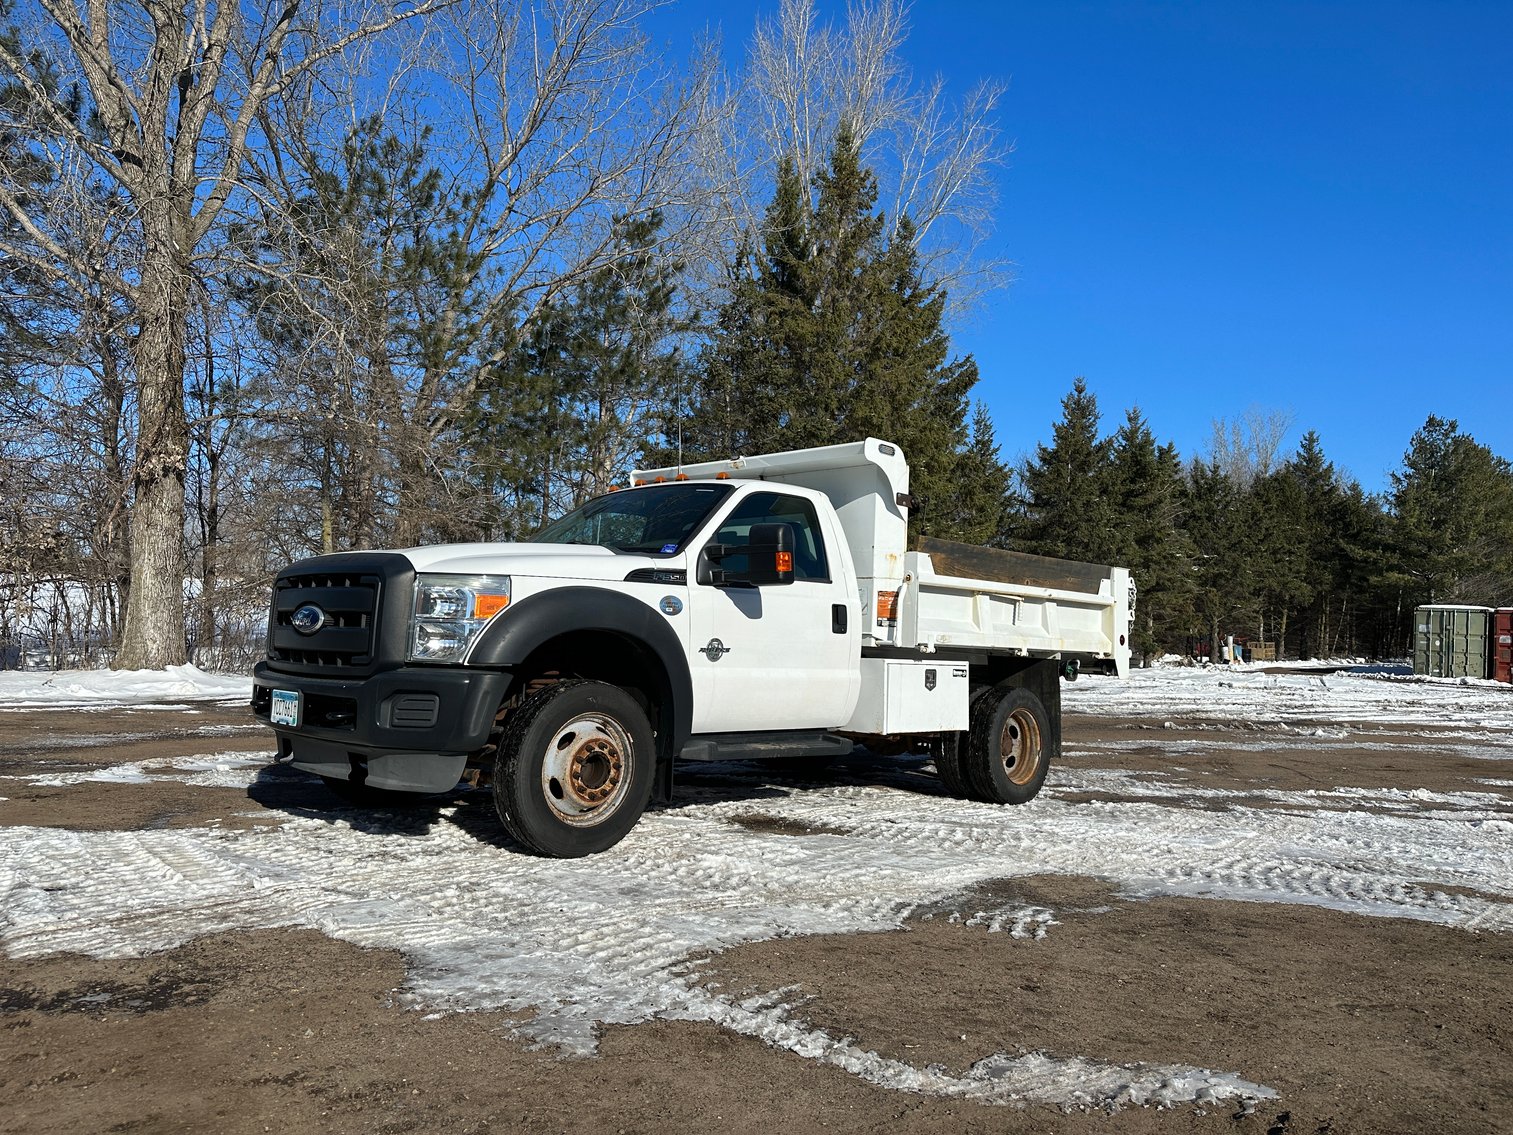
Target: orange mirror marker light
785	561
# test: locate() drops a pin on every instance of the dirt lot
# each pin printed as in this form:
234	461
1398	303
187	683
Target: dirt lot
1360	1024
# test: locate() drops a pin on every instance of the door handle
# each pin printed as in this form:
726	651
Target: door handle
838	618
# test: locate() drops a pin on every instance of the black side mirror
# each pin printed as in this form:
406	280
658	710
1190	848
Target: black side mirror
767	556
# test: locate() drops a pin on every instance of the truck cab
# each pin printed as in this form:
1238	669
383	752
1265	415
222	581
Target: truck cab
742	609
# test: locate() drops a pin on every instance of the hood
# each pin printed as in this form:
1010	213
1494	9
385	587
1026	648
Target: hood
561	561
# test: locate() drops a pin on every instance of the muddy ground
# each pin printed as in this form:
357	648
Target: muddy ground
1361	1024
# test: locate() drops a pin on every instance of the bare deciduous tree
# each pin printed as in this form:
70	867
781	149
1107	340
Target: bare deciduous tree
936	160
171	98
558	126
1245	450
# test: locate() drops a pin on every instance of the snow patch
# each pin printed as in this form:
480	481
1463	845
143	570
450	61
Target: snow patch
138	688
1034	1077
208	770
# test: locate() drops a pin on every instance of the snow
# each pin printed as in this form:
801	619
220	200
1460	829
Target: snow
1242	694
208	770
563	948
164	689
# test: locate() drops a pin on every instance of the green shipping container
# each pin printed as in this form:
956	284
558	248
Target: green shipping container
1451	642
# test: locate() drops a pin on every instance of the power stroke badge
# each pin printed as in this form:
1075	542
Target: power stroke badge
715	650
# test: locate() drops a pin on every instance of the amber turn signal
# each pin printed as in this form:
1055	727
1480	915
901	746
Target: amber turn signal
487	606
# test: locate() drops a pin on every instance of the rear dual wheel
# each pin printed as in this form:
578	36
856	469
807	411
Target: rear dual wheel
1004	756
574	769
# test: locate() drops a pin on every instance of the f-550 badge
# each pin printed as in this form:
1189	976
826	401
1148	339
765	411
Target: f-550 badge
715	650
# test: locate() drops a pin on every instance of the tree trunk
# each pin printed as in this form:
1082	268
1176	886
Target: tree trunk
154	633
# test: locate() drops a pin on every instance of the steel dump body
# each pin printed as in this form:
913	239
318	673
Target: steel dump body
1016	603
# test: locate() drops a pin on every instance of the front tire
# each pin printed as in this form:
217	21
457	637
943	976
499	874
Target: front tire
574	769
1008	753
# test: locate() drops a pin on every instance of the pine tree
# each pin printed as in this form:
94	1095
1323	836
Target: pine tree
1453	505
1284	569
978	513
1145	491
599	369
1219	523
1328	574
346	294
832	335
1067	512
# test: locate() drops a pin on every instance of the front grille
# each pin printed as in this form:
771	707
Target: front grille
349	602
345	597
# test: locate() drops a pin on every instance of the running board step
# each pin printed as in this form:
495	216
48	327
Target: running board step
764	746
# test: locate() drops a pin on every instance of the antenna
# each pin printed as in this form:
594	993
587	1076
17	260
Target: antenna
682	378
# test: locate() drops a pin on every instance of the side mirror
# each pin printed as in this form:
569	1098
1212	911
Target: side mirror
769	555
764	560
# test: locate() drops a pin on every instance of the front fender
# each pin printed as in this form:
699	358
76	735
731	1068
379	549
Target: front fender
526	626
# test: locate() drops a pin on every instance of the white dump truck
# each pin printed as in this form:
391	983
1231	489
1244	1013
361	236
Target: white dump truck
744	609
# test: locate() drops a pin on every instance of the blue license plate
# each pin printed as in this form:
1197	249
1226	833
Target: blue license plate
286	707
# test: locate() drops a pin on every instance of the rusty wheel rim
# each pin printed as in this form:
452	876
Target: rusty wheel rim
586	769
1019	746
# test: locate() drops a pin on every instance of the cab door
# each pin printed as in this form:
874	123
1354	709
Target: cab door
777	657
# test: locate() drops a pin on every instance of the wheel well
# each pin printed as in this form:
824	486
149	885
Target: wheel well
602	656
1041	676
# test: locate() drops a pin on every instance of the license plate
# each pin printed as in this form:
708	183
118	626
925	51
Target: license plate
286	707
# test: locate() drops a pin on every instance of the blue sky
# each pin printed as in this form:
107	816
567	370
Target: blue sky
1302	207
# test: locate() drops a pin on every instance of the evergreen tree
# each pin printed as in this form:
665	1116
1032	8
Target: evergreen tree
910	391
1066	508
1453	506
357	294
1145	491
1284	570
1330	535
979	512
1219	523
831	335
599	369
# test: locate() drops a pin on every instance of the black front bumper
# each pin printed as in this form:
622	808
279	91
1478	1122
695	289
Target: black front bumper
408	729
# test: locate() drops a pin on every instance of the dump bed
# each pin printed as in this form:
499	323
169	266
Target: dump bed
959	596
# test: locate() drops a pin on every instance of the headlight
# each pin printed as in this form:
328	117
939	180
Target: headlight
450	610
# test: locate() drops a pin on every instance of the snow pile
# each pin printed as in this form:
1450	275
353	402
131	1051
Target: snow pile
101	688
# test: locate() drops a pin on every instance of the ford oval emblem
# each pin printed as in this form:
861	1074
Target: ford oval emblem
308	619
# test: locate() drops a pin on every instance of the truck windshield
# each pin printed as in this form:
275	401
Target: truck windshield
657	519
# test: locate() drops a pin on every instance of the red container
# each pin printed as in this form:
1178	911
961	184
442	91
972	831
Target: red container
1502	644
